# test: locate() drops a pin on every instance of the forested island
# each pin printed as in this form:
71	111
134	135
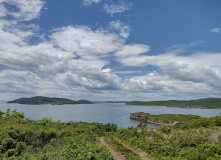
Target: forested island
199	103
46	100
111	101
192	138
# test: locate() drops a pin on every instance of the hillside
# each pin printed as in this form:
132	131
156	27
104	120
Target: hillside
199	103
47	100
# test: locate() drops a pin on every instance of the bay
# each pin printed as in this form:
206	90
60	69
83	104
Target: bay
116	113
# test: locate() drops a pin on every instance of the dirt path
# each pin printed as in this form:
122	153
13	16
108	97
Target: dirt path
117	156
143	155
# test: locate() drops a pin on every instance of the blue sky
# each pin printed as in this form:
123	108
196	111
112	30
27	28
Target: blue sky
110	49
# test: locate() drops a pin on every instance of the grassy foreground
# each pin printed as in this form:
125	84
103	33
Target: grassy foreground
22	138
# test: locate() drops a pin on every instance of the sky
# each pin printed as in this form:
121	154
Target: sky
110	49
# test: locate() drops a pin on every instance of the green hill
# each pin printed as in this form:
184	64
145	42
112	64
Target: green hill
199	103
47	100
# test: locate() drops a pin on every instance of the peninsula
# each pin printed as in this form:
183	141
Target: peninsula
46	100
168	119
206	103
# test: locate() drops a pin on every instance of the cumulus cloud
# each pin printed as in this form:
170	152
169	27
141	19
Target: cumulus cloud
22	10
196	70
24	82
84	41
75	61
164	86
70	62
117	8
89	2
106	70
215	30
61	65
132	50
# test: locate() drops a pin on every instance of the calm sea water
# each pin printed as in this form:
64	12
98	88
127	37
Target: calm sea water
116	113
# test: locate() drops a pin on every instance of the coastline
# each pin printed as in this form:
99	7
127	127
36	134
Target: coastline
143	119
173	107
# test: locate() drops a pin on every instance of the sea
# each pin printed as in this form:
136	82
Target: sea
117	113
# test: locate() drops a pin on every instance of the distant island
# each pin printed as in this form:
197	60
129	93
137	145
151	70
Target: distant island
111	101
46	100
208	103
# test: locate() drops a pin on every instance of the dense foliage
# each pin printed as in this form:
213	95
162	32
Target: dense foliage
176	144
22	138
196	139
47	100
199	138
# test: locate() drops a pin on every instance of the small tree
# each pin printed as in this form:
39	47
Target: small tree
7	114
13	111
1	113
164	128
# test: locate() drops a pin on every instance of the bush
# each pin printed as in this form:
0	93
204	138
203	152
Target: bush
165	129
7	143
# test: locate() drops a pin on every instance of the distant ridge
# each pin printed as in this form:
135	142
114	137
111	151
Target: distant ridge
111	101
46	100
199	103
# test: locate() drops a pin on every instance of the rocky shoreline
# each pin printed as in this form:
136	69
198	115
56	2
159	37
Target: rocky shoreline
188	107
143	119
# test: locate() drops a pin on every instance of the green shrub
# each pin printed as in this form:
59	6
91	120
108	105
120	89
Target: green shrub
7	143
165	129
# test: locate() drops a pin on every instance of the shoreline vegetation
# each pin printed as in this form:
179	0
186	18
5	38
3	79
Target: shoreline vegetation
39	100
192	137
206	103
167	119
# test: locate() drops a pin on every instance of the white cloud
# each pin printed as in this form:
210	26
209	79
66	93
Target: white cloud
76	61
106	70
2	10
215	30
117	8
23	10
69	63
164	86
128	72
123	30
197	68
83	41
89	2
132	50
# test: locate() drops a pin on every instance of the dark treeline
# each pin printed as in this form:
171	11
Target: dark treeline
199	103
